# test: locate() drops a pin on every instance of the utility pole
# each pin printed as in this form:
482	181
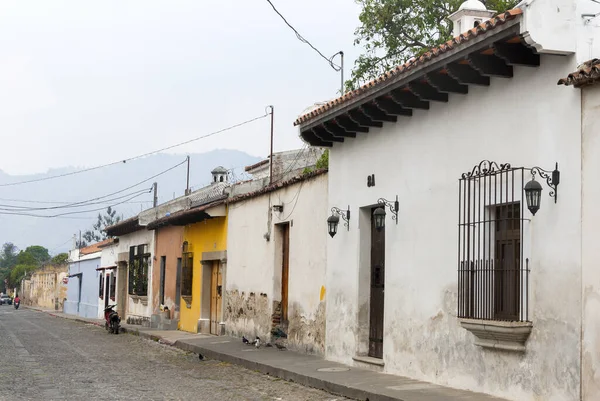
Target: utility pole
187	186
155	186
271	156
342	73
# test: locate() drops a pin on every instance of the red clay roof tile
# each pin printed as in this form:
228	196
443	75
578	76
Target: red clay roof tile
435	52
587	74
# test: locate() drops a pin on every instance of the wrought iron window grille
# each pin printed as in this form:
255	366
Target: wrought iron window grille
493	273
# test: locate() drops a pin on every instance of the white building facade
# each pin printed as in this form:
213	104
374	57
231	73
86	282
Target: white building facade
276	261
463	285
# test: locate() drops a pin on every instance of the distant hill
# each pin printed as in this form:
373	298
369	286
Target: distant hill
56	233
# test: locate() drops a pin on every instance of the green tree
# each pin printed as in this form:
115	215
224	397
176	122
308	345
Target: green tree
60	259
39	254
8	255
393	31
19	272
97	232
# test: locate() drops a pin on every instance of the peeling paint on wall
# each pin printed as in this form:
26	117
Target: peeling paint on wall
305	333
247	314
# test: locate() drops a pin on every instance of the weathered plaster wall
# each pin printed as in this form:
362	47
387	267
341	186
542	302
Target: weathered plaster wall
254	264
46	288
137	308
205	236
590	251
82	291
528	121
169	242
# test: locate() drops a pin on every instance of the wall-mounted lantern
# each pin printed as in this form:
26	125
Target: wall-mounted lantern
379	213
334	219
533	189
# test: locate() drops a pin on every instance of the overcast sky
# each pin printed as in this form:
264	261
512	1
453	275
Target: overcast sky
88	82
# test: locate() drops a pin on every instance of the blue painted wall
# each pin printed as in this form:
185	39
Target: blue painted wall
82	290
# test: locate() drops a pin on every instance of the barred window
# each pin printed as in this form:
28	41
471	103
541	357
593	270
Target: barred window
138	270
113	285
187	271
493	277
101	289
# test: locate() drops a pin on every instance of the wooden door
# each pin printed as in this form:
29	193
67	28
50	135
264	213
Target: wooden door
285	270
507	281
178	285
377	291
216	296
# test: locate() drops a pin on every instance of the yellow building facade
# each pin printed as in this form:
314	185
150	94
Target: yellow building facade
204	260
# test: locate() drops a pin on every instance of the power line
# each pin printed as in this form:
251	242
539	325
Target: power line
69	213
303	40
135	157
51	202
87	202
31	209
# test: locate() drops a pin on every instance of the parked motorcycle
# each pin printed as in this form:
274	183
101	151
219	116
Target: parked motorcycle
112	320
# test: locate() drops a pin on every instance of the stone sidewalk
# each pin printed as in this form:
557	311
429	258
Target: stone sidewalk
308	370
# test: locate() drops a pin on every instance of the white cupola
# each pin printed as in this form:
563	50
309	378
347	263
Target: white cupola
219	174
470	14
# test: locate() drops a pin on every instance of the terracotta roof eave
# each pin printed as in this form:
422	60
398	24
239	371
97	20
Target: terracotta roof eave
454	48
587	74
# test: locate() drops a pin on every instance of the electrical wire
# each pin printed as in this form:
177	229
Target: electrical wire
69	213
303	40
87	202
33	209
135	157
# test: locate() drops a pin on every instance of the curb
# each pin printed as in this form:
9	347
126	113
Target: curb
302	379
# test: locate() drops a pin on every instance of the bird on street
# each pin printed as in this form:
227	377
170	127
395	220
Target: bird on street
201	357
280	347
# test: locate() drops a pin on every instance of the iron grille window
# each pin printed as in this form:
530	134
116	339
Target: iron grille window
101	293
493	277
138	270
113	285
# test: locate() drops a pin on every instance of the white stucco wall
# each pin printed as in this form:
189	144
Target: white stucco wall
140	237
590	250
254	264
527	121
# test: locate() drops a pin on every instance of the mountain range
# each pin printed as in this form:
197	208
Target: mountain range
127	186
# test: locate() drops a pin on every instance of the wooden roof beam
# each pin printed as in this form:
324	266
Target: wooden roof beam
387	104
362	119
445	83
409	100
425	91
337	130
465	74
516	54
349	124
376	113
490	65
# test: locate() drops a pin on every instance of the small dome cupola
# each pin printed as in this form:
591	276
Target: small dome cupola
470	14
219	174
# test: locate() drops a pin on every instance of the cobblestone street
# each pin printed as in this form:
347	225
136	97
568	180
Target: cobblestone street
48	358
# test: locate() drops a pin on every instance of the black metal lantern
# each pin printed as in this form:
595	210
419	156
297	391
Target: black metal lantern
533	195
379	216
332	224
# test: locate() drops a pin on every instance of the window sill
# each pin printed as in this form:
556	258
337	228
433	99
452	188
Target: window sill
140	298
508	336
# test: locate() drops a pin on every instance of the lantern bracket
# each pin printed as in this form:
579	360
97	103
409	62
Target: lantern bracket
552	179
344	214
394	206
